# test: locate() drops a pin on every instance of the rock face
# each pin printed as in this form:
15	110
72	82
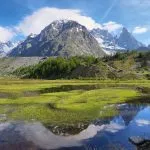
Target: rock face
136	140
103	37
10	64
125	41
5	48
128	41
140	143
106	40
61	38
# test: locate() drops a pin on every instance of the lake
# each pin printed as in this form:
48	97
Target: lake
102	134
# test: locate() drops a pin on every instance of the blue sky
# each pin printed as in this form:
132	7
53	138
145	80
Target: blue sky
18	18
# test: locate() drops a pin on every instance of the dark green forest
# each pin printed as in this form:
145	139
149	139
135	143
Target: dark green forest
117	66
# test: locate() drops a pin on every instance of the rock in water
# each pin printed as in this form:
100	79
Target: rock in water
136	140
140	143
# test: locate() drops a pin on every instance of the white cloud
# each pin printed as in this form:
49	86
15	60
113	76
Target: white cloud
41	18
142	122
139	30
112	26
6	34
35	22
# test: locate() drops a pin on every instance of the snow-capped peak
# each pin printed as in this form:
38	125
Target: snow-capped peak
32	35
106	40
128	41
6	47
124	41
60	21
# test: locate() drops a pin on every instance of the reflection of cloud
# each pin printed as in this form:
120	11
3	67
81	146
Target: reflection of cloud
142	122
92	130
45	139
4	126
42	137
113	127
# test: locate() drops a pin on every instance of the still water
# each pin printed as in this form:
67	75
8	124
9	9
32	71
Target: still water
102	134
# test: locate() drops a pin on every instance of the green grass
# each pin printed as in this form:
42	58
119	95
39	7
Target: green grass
65	107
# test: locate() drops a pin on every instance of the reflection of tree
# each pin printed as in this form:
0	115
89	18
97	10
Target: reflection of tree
68	129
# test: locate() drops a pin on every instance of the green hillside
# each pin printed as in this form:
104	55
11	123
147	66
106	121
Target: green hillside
128	65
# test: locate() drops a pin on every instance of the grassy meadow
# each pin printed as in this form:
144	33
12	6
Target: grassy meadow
67	101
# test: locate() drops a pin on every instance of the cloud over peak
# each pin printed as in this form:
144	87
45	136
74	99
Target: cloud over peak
6	34
41	18
112	26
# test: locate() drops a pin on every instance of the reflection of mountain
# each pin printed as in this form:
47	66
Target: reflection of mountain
128	112
42	137
100	132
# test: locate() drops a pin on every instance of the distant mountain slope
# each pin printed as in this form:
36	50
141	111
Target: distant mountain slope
143	48
5	48
61	38
128	41
105	39
9	64
125	41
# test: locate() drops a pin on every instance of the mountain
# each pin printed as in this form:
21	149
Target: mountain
128	41
143	48
10	64
61	38
106	40
5	48
110	43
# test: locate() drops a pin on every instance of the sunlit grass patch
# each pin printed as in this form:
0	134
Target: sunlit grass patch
65	107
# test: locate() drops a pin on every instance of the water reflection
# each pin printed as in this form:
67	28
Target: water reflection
113	133
63	88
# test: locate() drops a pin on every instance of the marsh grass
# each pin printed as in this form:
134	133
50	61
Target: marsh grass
66	107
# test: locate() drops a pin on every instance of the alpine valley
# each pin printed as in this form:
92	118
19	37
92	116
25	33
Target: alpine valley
72	88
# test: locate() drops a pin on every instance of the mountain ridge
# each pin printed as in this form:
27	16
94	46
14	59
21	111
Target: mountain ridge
60	38
125	41
57	40
128	41
6	47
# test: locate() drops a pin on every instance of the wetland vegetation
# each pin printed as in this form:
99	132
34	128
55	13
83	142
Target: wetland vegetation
61	102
